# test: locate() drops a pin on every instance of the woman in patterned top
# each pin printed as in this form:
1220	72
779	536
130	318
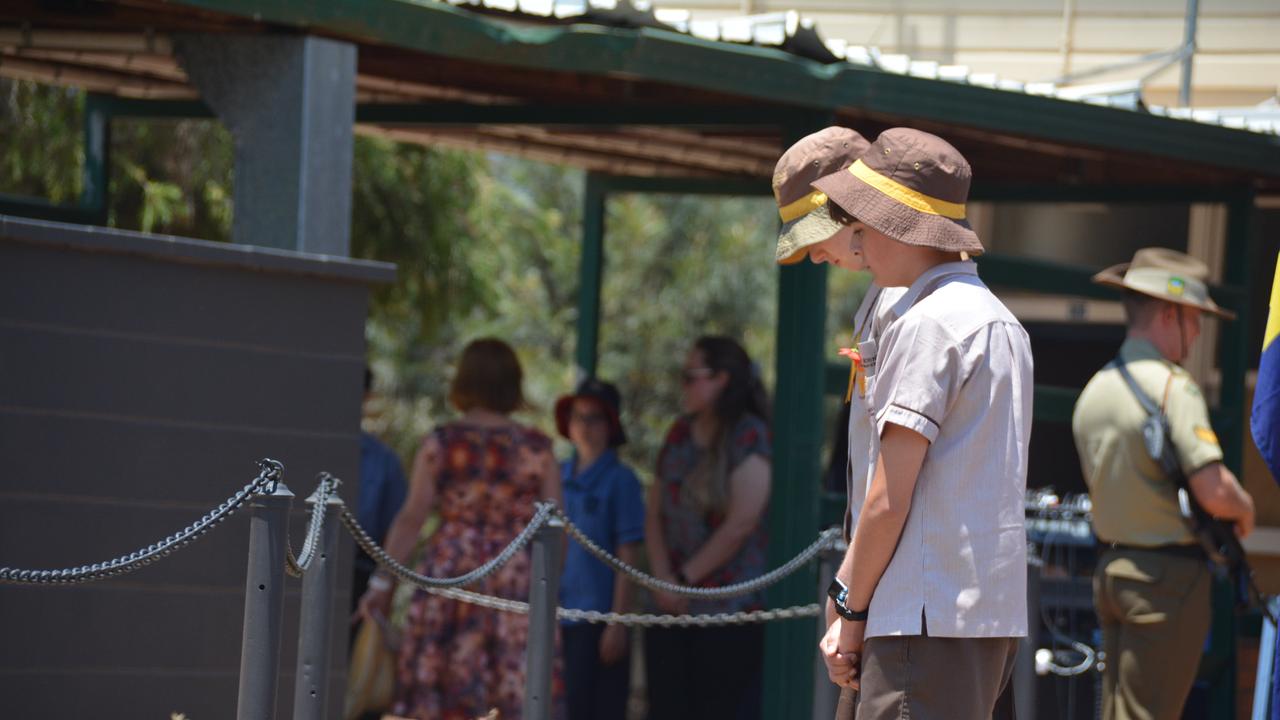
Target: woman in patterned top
704	528
482	474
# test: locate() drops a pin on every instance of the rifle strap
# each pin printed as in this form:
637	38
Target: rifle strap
1168	461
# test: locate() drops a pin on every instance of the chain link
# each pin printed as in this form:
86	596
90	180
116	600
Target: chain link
380	556
824	541
634	619
298	565
268	476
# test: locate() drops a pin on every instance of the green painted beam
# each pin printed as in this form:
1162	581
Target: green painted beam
590	275
686	186
1055	278
1233	358
1071	123
1043	276
1111	194
758	74
798	434
1054	404
463	114
42	209
95	175
835	379
145	108
1234	336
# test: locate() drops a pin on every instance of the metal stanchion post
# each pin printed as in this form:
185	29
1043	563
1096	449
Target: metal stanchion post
311	683
1024	665
263	604
544	593
826	694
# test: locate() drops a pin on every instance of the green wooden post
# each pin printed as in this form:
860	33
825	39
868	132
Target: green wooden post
590	275
797	445
793	514
1219	662
97	149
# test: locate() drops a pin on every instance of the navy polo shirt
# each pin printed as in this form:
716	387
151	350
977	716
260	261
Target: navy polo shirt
382	491
606	502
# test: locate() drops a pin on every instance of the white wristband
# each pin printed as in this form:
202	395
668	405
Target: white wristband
379	583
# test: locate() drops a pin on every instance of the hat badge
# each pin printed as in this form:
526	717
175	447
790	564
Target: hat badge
1176	286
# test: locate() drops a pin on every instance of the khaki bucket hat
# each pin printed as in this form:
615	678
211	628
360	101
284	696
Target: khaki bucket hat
911	186
1166	275
805	219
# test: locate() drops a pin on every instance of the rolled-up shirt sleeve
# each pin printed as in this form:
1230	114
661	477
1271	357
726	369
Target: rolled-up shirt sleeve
1194	440
920	369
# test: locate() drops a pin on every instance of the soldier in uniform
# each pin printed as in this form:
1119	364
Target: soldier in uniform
1151	586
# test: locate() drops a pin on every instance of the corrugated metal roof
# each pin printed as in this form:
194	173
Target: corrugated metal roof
800	36
742	79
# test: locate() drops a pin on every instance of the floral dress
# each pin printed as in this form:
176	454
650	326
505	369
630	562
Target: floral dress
686	529
459	661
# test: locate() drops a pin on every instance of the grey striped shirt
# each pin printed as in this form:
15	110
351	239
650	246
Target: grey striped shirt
955	366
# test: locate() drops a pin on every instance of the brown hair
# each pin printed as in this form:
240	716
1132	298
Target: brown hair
489	377
707	486
1139	309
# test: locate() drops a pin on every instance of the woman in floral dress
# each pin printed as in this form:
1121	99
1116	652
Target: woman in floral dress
705	527
482	474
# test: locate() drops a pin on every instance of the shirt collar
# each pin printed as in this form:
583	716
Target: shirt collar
909	298
588	475
1140	349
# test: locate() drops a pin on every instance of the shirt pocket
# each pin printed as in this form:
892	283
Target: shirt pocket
1140	588
1128	569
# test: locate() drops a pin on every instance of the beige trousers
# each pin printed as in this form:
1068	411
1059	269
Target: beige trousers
1155	614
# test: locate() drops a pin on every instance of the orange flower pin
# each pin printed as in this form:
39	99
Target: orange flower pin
857	374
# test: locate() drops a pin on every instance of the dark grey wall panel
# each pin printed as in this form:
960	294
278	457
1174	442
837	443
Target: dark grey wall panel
155	460
162	380
50	286
140	378
107	695
157	694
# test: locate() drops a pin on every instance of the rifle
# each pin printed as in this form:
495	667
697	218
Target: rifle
1217	538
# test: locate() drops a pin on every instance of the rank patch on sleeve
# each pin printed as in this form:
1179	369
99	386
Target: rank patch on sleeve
1206	435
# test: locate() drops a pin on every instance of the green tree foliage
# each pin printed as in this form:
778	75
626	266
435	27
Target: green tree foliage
485	246
41	154
172	177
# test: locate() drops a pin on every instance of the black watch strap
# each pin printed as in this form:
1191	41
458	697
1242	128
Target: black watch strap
839	594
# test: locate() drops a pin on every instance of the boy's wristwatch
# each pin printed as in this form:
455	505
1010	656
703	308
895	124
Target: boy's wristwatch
839	593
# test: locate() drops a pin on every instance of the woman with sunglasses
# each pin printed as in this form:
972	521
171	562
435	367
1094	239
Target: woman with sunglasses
704	527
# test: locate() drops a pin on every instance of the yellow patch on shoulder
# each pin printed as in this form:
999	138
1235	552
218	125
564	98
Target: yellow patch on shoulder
1206	435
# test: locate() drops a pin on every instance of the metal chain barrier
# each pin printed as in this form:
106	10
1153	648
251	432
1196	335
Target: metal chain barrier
298	565
824	541
449	587
634	619
395	567
268	475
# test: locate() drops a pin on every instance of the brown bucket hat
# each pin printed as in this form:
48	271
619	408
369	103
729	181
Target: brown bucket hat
805	219
1167	275
911	186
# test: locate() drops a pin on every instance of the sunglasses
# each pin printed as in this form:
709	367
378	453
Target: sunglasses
690	375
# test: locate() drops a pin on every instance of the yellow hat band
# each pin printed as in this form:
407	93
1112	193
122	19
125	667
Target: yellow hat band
913	199
803	206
